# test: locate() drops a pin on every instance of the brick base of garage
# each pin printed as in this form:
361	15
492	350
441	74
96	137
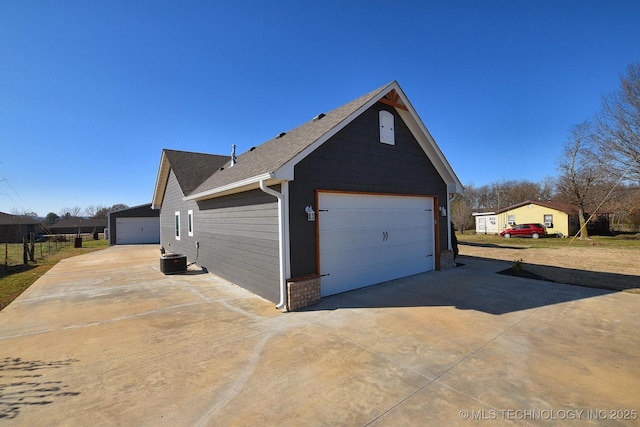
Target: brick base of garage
303	292
447	260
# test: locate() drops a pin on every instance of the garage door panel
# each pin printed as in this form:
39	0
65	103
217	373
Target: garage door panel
396	263
358	276
368	239
367	255
137	230
365	258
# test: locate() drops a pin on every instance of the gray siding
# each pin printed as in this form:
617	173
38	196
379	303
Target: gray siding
172	203
355	160
238	236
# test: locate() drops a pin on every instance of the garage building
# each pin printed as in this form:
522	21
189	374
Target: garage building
354	197
136	225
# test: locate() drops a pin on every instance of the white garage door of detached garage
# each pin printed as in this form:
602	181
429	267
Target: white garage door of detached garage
368	239
130	231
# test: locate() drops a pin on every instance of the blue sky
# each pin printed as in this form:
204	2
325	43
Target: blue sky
90	92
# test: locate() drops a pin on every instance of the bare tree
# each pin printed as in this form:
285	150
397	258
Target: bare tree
547	188
24	213
619	127
471	194
461	214
92	210
70	212
580	171
504	193
623	207
104	211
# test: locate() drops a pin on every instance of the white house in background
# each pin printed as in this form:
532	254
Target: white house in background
487	223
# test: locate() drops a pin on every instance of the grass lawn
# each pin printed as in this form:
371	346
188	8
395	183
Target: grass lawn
18	278
605	262
630	241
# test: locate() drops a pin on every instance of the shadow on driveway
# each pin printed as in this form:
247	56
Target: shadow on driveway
23	384
490	245
473	286
591	279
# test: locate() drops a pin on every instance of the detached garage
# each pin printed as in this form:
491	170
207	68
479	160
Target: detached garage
351	198
136	225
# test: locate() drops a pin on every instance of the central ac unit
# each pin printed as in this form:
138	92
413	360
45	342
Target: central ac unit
173	263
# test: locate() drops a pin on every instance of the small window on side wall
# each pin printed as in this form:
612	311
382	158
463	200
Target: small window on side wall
548	221
190	222
387	131
177	228
511	220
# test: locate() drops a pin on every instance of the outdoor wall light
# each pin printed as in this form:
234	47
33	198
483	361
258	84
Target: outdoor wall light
443	211
311	215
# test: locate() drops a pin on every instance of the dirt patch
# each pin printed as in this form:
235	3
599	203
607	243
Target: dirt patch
596	267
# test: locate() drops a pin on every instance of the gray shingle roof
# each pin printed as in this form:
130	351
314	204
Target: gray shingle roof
192	169
201	176
275	153
7	219
75	222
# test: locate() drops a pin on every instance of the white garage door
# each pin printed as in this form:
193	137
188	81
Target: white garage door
369	239
131	231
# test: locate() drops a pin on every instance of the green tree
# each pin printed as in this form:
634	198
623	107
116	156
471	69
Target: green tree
51	218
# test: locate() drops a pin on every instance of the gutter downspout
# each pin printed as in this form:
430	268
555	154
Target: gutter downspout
281	248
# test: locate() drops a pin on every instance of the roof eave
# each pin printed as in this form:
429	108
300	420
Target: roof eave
537	203
237	187
161	182
288	168
428	144
417	127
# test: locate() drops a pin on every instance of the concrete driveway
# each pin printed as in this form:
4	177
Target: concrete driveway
106	339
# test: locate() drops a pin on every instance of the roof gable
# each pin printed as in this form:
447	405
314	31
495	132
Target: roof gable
190	169
274	161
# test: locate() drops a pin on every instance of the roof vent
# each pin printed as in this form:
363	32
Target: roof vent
252	148
233	155
318	117
281	134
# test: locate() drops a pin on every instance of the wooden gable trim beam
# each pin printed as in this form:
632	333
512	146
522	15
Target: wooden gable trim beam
393	99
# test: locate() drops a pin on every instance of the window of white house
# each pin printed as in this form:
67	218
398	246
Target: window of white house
548	220
511	219
190	225
177	225
387	134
